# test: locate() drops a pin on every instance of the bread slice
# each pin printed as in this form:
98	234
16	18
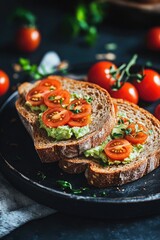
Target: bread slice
103	120
147	161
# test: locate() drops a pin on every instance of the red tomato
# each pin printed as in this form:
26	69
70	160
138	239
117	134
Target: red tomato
28	39
56	117
153	39
80	108
57	97
149	87
35	96
157	112
50	83
79	122
99	74
4	82
127	92
137	133
118	149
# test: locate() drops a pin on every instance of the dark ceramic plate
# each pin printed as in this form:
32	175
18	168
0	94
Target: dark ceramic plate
21	165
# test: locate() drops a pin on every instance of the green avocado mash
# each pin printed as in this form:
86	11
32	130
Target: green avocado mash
40	108
64	132
98	152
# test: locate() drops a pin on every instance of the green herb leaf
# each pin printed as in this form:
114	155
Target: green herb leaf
65	185
128	131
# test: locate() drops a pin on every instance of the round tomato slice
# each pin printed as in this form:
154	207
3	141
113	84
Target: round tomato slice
35	96
56	117
50	83
136	133
80	108
56	98
118	149
79	122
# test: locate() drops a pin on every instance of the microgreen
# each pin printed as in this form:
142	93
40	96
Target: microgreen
128	131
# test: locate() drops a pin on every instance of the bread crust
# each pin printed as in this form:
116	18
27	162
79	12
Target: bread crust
54	151
101	177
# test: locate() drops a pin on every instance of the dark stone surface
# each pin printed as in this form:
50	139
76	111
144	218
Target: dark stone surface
127	28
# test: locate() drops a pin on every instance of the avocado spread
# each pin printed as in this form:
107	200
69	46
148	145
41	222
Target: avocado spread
99	154
64	132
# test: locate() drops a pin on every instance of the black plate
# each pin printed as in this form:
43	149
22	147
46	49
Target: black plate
21	165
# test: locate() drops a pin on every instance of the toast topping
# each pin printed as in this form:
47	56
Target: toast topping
123	145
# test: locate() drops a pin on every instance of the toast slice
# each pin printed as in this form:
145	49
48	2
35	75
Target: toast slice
103	120
113	175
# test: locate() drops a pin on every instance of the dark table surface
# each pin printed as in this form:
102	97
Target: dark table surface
125	27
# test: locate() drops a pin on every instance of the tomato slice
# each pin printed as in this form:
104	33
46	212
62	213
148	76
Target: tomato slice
80	108
79	122
57	98
56	117
136	133
50	83
118	149
35	96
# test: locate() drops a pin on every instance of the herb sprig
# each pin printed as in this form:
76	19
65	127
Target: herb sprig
67	186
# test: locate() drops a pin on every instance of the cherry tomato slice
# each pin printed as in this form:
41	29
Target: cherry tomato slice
79	122
80	108
157	112
118	149
127	92
57	98
50	83
136	133
35	96
56	117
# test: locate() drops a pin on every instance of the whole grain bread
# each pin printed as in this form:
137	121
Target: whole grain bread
103	120
147	161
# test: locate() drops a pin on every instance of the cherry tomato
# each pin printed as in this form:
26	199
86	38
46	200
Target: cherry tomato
50	83
56	117
28	39
99	73
118	149
35	96
57	97
137	133
127	92
153	38
157	112
4	82
79	122
149	87
80	108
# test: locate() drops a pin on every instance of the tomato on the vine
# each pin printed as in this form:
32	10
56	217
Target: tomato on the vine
127	92
153	38
4	82
28	39
99	73
149	87
157	112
